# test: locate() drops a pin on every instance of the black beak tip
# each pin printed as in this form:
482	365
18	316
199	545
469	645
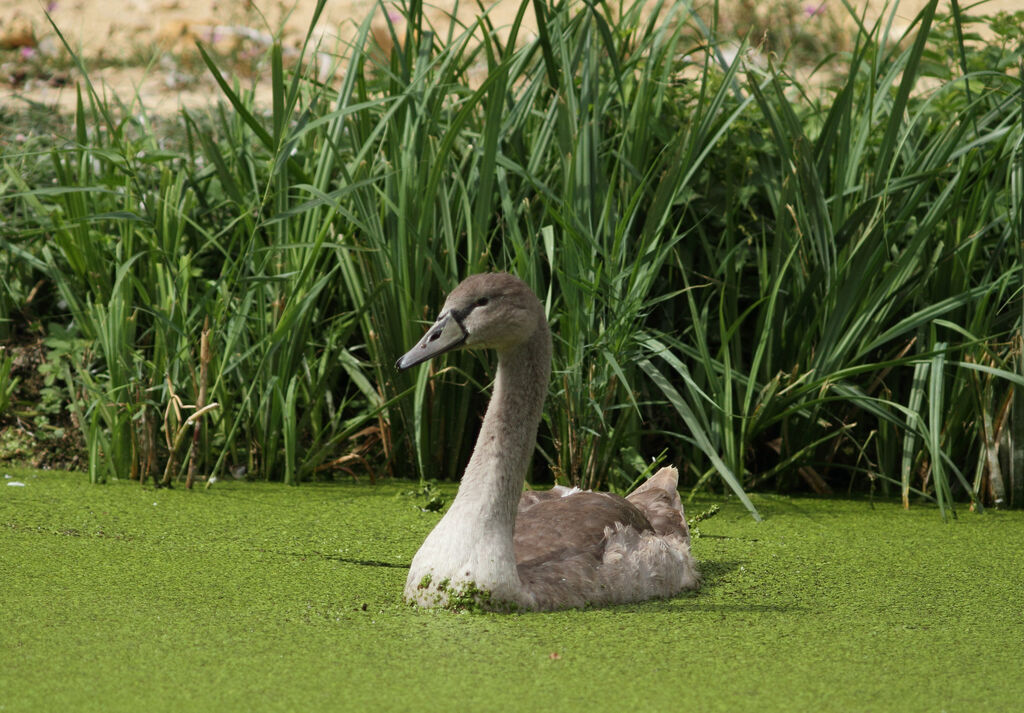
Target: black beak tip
408	361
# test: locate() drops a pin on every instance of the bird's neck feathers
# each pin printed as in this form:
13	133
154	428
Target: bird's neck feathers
494	476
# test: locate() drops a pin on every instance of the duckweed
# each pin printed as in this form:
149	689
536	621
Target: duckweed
122	598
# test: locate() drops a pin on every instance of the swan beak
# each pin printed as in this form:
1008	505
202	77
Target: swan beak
446	334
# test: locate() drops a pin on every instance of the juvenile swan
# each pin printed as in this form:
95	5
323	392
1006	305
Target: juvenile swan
500	548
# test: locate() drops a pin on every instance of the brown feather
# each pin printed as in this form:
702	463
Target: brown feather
659	500
557	528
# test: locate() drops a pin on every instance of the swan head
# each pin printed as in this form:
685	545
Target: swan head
487	311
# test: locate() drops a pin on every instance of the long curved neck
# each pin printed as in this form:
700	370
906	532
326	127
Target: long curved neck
494	477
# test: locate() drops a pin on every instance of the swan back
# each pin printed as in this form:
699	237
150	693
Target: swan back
579	548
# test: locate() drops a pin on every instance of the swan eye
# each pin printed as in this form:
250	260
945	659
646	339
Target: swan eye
482	302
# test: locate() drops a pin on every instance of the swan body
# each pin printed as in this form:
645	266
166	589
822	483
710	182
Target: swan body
500	548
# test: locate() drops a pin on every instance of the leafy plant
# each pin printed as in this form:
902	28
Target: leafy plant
8	382
770	279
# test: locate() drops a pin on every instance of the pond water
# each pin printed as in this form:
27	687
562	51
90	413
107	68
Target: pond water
121	597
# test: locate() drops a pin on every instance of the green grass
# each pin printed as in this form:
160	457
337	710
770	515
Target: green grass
129	598
774	281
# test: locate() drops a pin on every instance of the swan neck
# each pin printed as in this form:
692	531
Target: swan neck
474	542
508	434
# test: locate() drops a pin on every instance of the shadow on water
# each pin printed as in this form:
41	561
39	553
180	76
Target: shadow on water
366	563
712	571
339	558
715	570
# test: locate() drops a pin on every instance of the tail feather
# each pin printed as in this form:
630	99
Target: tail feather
659	501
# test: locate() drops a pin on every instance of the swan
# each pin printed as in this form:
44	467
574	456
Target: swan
504	549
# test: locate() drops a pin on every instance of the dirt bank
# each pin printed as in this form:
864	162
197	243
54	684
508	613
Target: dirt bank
147	47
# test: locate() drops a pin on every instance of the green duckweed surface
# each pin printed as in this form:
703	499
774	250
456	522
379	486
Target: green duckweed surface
262	597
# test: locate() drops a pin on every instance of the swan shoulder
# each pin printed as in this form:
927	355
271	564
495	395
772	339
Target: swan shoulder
529	498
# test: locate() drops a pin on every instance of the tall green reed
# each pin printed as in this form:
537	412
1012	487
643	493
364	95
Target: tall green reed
145	255
876	247
624	154
765	284
567	163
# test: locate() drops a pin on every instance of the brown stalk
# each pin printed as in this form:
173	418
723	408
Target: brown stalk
179	438
204	370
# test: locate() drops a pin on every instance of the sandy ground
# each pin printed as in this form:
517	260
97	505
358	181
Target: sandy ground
118	40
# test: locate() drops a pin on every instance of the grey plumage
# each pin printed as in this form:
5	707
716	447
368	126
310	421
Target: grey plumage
500	548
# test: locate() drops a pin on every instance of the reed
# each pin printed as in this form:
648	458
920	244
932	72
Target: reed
779	282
